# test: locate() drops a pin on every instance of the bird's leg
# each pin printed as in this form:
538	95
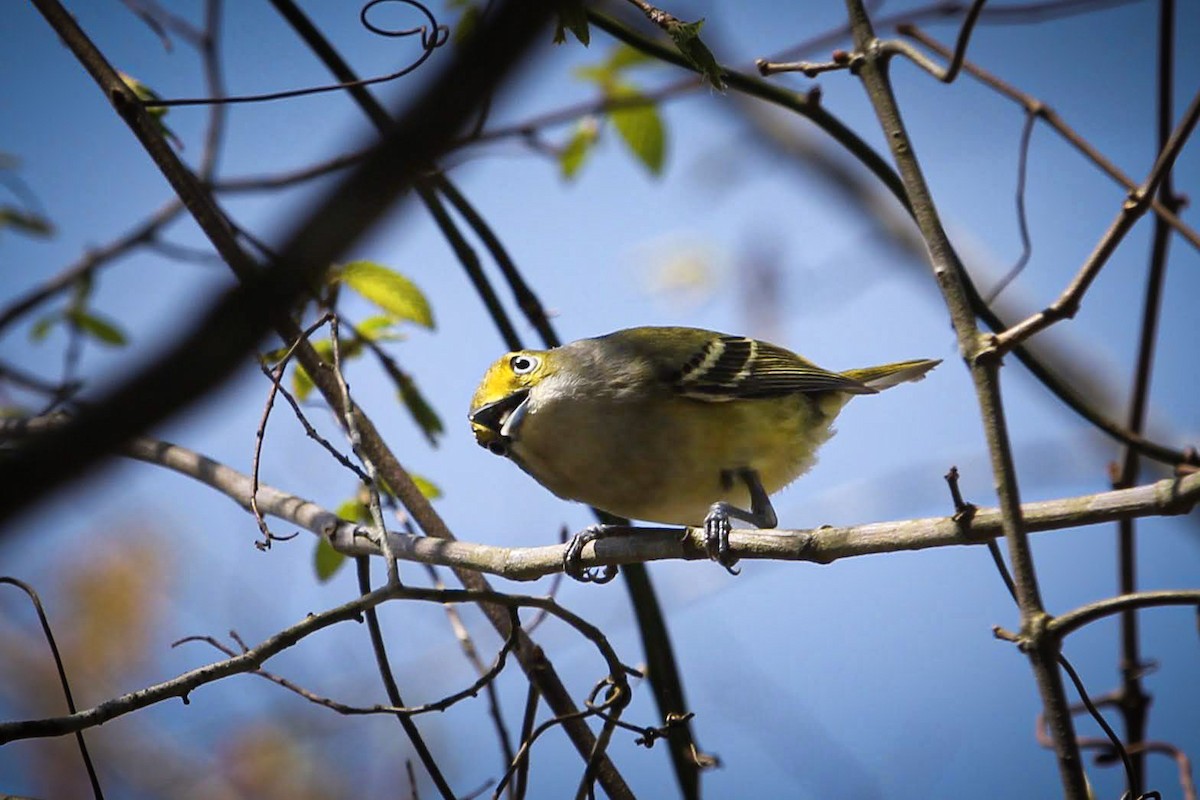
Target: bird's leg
716	524
574	553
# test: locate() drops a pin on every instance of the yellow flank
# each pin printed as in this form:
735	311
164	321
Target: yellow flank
650	423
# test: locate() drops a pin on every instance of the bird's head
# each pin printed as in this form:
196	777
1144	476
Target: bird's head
502	399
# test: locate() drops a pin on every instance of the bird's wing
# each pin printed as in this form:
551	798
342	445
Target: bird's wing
736	367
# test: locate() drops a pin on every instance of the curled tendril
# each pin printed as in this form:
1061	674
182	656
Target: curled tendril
433	36
429	41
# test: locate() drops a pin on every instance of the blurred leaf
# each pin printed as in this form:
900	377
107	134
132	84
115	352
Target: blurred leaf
389	290
623	56
686	36
596	73
100	329
25	222
572	16
114	597
157	113
326	560
468	22
302	383
348	349
641	128
378	329
81	289
353	511
427	487
577	148
273	357
608	71
42	327
286	761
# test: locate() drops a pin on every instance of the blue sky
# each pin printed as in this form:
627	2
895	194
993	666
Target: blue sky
876	677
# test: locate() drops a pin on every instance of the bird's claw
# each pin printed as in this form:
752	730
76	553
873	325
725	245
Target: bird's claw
716	538
574	554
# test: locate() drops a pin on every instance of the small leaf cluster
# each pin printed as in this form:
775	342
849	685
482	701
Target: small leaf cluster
80	319
634	115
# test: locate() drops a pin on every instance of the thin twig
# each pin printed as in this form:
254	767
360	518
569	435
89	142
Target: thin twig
951	70
1134	207
485	679
182	685
1033	105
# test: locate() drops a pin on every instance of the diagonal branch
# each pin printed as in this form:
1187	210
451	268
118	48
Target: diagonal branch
1133	208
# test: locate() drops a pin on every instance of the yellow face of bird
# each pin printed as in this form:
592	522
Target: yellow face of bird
498	402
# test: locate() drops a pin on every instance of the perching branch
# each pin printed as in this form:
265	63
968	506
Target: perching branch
1167	497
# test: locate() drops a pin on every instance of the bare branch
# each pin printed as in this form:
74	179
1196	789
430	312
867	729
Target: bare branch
251	660
1068	302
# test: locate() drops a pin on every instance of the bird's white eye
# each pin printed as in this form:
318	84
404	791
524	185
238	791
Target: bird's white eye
523	364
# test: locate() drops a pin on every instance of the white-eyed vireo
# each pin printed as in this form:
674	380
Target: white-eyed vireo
680	426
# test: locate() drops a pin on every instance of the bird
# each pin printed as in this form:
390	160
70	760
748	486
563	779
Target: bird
671	425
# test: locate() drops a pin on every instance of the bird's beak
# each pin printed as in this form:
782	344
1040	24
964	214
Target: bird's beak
503	416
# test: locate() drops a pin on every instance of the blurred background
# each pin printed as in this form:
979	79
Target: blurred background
876	677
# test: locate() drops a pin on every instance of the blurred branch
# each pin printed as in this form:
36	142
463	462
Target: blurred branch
142	233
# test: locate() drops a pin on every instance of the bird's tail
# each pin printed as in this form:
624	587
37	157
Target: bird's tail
888	375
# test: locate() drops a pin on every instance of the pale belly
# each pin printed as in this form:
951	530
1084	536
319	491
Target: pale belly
670	466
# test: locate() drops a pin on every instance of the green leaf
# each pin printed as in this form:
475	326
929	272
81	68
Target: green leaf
389	290
100	329
157	113
353	510
572	16
641	128
427	487
623	57
302	382
326	560
378	329
577	148
41	328
686	36
81	289
25	222
596	73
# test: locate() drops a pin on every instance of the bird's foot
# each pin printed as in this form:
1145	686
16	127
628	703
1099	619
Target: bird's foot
574	553
716	537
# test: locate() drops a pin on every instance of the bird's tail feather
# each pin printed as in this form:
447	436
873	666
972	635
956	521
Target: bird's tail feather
886	376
